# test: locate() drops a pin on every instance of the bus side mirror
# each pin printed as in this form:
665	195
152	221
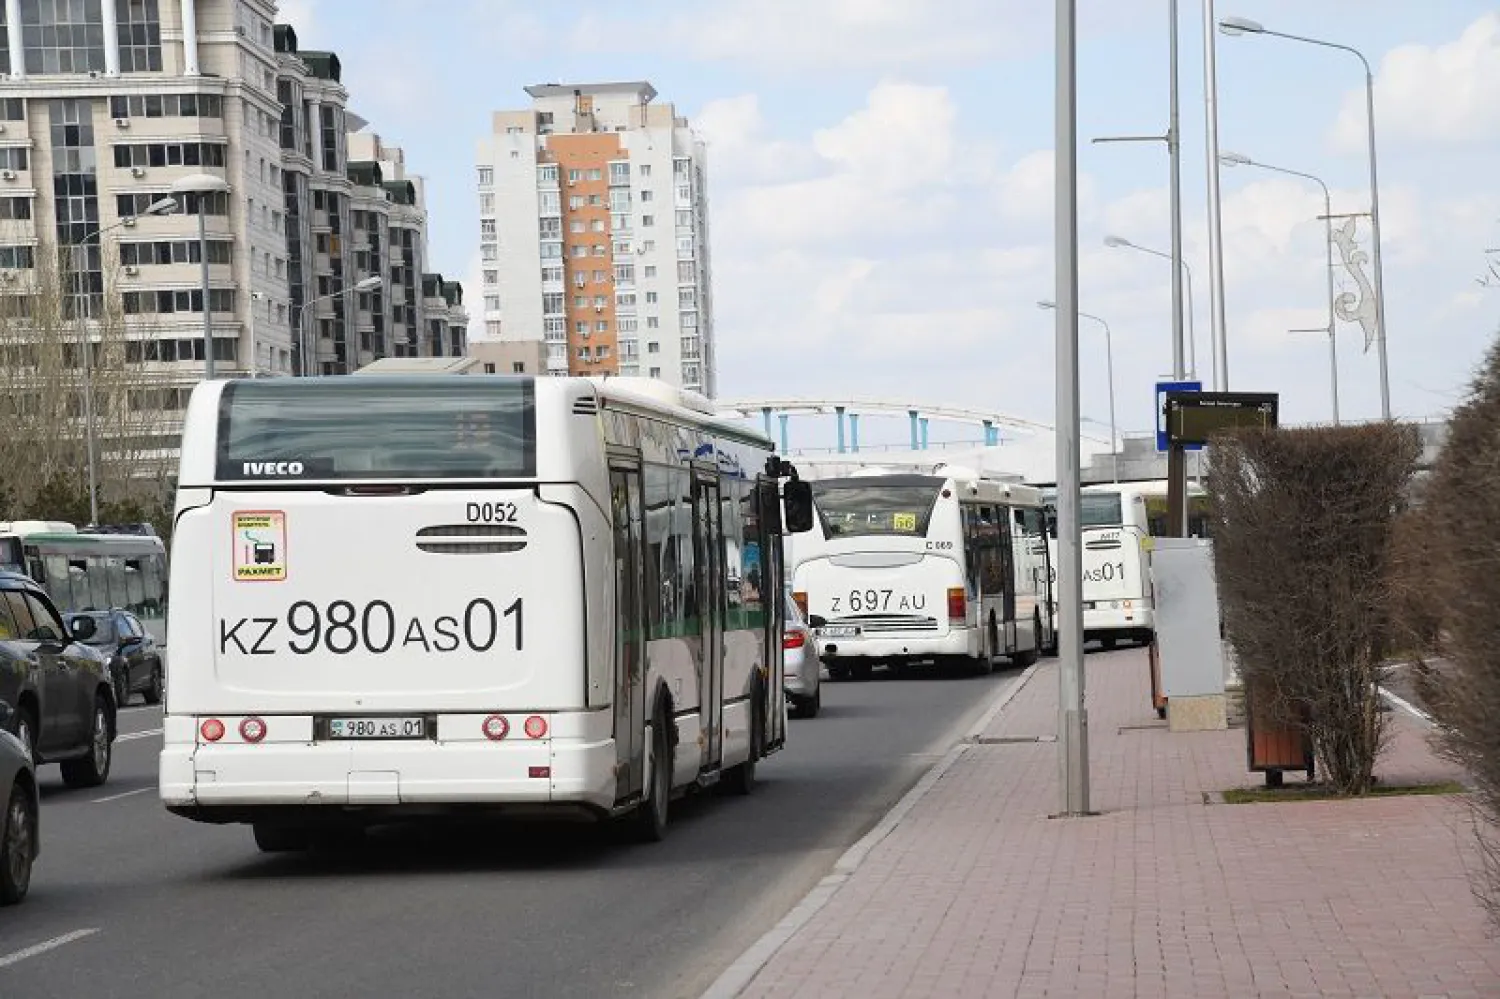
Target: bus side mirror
798	500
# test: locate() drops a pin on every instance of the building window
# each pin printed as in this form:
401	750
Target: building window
575	202
491	277
489	252
486	175
645	169
546	174
489	369
63	38
655	372
650	270
551	228
486	227
492	327
518	367
646	195
486	203
575	225
492	303
653	322
686	271
619	173
595	174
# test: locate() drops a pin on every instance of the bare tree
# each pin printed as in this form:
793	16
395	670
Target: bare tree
1461	576
46	388
1302	539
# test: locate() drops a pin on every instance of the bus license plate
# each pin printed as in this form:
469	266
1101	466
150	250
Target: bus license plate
839	631
377	728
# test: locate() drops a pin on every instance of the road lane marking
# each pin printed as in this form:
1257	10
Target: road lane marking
127	736
45	946
122	794
1406	706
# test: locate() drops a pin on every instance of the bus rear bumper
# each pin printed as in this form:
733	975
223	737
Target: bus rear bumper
215	782
914	645
1118	620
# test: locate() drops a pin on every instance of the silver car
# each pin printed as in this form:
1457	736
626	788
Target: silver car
804	662
19	811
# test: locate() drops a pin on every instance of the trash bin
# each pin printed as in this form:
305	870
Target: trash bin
1271	746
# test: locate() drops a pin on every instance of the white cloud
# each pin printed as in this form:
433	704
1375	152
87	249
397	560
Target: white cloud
835	36
300	14
893	266
1444	93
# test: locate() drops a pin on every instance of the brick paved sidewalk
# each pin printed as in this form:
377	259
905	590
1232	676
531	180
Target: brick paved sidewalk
1169	892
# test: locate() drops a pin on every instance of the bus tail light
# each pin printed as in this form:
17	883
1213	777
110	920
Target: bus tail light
958	604
536	727
252	729
799	597
496	728
793	640
212	730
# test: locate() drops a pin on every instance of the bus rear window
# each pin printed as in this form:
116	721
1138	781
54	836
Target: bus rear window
10	554
377	428
849	511
1100	510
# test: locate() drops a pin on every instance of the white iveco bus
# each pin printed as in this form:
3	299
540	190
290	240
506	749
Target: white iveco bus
908	567
1116	520
399	595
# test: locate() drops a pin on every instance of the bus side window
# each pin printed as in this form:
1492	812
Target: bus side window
58	581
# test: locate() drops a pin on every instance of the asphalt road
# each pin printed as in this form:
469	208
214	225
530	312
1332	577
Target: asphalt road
174	908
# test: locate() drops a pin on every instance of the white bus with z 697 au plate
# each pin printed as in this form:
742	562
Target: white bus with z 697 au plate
405	595
913	567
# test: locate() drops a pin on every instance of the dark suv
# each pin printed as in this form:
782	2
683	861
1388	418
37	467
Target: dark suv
59	688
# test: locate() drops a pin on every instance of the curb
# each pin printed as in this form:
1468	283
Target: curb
743	970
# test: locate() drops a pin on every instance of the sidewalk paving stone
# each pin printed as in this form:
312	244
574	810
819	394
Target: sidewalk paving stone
1167	892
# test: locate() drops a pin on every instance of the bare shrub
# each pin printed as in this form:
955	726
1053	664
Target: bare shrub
1302	540
1462	685
43	388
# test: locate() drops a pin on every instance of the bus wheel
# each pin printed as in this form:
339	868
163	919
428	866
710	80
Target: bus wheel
649	820
281	837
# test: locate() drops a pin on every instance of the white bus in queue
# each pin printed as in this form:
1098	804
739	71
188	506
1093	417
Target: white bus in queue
911	567
398	595
93	568
1116	519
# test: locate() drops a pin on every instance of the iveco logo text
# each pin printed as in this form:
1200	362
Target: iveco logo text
273	467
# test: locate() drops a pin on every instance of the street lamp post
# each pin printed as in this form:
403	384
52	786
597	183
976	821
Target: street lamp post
1218	333
1236	26
201	185
1109	361
1072	708
364	284
1187	273
162	206
1236	159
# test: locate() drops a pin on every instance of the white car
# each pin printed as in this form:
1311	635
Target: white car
804	662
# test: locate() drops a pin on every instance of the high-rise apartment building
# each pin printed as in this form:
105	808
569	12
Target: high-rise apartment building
593	223
105	104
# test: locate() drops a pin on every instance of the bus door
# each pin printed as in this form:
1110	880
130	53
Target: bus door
708	546
630	627
773	601
1007	555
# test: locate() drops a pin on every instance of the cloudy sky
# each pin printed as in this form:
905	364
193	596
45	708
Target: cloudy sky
880	181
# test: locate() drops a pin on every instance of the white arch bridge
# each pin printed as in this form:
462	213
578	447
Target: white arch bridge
847	412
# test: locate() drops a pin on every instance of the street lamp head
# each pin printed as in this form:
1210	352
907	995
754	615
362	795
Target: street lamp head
369	284
1234	159
163	206
1117	241
199	183
1046	304
1235	26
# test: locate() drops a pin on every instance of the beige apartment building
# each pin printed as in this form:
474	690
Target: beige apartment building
593	223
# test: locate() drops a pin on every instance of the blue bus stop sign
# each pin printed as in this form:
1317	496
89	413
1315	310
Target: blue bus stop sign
1162	388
